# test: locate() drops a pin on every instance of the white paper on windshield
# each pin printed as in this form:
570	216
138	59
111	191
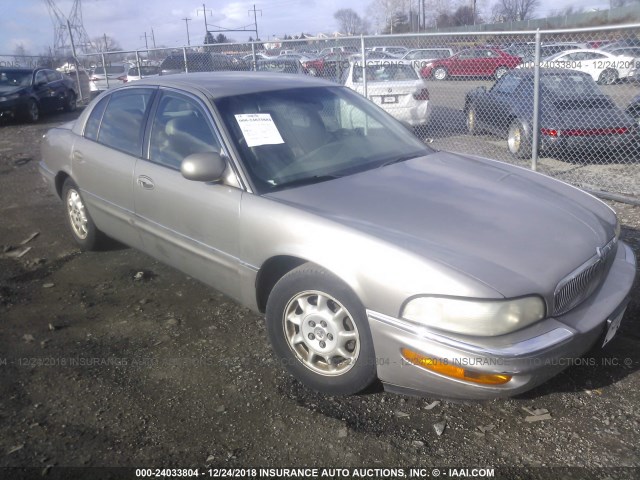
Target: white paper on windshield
259	129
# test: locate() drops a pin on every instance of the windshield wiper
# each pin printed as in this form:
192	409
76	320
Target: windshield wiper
305	181
402	158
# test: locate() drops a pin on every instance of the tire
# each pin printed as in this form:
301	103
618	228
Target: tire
472	121
608	77
70	102
32	112
500	71
440	73
319	330
84	231
518	140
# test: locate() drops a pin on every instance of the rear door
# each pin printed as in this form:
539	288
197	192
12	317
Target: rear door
45	94
190	225
104	158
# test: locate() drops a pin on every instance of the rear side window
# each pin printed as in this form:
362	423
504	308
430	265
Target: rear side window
122	122
93	124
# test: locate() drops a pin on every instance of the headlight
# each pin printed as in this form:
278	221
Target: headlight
6	98
478	317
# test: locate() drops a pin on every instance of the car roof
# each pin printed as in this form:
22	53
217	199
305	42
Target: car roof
227	84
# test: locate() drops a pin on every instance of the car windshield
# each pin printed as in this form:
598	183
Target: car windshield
386	72
10	79
298	136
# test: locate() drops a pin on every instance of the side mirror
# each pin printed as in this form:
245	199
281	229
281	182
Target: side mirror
203	167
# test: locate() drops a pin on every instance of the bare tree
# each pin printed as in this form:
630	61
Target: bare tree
464	15
566	11
382	12
623	3
515	10
349	22
105	43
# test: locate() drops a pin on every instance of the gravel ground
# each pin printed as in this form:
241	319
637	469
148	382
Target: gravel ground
103	366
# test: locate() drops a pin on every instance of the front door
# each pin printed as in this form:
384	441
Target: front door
190	225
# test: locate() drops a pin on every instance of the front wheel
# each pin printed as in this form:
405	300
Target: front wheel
518	140
440	73
32	111
319	330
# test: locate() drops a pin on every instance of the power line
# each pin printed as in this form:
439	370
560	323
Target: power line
255	19
204	11
186	22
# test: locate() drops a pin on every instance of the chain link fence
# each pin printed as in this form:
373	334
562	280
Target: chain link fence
563	102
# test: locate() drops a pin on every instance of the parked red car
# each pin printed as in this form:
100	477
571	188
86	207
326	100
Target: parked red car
474	62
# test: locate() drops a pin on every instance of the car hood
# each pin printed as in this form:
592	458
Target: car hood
8	90
516	231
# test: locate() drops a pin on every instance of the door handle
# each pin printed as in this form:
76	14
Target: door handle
77	155
145	182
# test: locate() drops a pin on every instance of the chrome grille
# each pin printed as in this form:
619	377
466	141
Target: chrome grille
579	284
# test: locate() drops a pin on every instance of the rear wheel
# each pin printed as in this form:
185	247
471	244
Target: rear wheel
319	330
518	140
83	230
70	102
440	73
608	77
500	71
472	121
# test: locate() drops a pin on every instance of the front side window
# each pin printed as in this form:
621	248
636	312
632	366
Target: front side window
180	128
306	135
122	122
41	78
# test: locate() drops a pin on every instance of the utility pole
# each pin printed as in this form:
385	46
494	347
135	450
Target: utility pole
206	27
186	22
153	37
146	43
255	19
106	45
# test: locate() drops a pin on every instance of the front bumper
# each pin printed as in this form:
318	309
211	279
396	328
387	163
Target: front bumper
531	355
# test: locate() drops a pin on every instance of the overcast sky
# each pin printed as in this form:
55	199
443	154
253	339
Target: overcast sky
27	22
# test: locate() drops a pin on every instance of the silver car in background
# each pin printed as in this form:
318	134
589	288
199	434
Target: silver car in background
372	255
105	78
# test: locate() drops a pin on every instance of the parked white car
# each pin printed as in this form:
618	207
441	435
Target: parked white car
112	76
145	71
395	86
604	67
